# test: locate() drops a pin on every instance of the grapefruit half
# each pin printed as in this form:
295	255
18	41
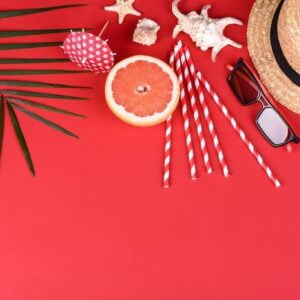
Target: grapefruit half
142	90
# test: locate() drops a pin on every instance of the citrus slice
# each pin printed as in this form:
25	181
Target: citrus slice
142	90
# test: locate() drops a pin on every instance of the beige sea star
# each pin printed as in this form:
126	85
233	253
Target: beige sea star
123	8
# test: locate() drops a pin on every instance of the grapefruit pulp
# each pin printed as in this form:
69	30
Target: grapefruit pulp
142	90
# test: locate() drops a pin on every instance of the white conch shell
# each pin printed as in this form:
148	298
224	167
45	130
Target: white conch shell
146	32
203	30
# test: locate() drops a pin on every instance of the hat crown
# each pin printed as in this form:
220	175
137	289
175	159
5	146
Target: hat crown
289	32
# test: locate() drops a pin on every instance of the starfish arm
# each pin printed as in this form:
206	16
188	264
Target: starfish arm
121	18
111	8
123	15
135	12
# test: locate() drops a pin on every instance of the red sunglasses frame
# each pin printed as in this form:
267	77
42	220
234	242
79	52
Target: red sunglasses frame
263	96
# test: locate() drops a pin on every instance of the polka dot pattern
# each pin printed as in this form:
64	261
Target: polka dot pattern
89	52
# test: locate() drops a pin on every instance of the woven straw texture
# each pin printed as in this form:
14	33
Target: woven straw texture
289	32
259	44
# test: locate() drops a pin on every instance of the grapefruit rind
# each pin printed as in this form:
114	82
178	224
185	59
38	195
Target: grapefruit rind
129	117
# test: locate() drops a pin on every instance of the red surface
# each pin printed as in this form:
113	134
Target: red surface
96	224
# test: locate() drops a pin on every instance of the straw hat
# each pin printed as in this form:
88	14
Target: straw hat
274	46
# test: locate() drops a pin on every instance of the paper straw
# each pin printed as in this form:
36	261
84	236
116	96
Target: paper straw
186	56
167	161
196	115
239	131
186	122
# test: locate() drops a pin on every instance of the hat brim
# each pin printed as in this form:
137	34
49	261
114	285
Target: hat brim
259	44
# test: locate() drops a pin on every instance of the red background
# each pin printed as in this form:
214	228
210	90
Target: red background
96	223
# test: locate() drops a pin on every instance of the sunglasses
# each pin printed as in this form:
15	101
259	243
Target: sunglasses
269	121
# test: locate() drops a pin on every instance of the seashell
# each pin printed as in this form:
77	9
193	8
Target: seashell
146	32
206	32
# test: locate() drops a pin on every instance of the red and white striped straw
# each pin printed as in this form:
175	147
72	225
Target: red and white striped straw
196	115
167	162
186	122
239	130
186	56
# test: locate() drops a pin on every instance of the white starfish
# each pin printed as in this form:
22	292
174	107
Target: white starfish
123	8
206	32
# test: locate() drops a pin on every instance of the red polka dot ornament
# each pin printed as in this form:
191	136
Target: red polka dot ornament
89	51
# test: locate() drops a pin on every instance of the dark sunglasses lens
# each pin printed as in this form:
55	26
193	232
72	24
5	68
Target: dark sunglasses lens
272	125
243	86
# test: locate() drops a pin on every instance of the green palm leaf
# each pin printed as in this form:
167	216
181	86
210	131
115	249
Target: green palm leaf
20	137
14	46
10	61
22	12
42	95
1	122
14	103
40	84
38	72
44	106
14	33
44	121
